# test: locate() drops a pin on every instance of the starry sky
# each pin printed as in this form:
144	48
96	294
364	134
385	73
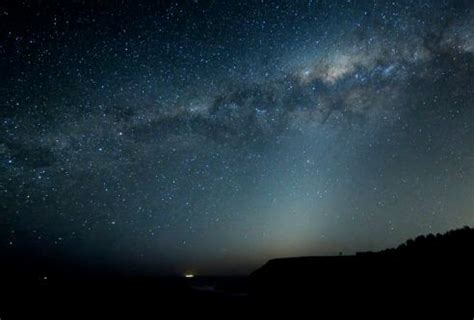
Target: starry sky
211	136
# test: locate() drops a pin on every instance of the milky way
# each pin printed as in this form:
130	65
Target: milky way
214	135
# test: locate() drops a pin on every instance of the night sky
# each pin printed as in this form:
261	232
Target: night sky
210	136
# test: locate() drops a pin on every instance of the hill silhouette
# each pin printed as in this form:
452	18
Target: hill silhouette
425	278
429	277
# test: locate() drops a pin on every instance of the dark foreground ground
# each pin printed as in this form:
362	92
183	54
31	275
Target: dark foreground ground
327	287
428	278
236	297
125	298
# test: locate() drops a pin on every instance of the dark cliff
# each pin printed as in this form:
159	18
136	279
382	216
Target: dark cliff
428	276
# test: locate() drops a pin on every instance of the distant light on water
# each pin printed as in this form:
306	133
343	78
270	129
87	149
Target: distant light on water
189	275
